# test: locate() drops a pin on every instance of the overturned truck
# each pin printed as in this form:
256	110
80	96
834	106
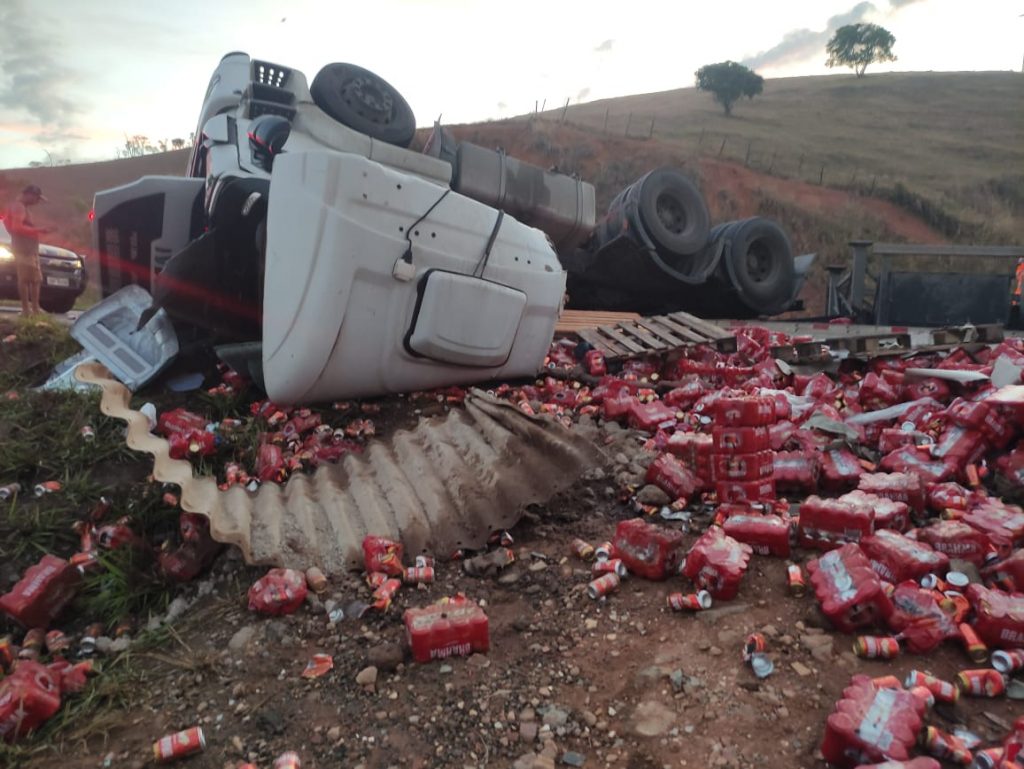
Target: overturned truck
310	246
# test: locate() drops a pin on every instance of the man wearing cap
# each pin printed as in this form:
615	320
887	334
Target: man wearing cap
25	247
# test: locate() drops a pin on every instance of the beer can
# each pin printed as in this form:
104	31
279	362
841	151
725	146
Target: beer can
933	582
47	487
983	682
973	645
795	576
957	580
87	643
56	641
692	602
376	578
289	760
382	595
945	746
179	745
924	694
609	566
876	647
582	549
990	758
423	561
754	644
604	550
316	580
9	490
944	691
415	575
87	433
32	644
603	585
1008	661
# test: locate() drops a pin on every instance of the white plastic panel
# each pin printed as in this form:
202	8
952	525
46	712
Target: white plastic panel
335	318
480	333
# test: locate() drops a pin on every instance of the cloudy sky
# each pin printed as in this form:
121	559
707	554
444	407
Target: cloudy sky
77	75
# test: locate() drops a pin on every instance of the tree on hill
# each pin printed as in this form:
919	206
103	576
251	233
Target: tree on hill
727	81
857	45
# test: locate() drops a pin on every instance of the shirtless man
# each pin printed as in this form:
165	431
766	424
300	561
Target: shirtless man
25	247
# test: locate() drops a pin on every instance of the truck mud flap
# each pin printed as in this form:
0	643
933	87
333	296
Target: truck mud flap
447	484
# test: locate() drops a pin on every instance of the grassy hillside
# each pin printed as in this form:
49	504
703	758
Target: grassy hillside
942	143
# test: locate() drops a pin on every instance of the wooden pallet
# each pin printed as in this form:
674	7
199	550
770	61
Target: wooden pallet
871	344
572	321
987	333
656	334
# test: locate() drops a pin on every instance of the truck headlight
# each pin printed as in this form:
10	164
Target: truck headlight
5	253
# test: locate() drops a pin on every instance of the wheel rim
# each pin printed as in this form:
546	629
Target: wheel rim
368	99
670	213
759	263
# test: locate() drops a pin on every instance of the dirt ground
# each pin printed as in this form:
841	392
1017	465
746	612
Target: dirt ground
621	682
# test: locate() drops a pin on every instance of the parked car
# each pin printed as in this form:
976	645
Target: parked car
311	245
64	275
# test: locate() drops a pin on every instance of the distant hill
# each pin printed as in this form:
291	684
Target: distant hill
953	140
916	157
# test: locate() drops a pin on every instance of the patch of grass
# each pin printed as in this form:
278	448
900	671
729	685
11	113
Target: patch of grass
125	585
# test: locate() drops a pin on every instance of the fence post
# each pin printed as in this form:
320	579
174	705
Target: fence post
650	133
606	120
746	158
535	108
872	190
543	105
629	120
565	108
821	176
722	148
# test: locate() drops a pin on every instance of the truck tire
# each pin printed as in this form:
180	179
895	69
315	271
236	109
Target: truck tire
58	304
673	212
759	263
365	102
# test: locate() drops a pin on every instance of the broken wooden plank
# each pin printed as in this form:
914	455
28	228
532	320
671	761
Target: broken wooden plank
573	320
629	344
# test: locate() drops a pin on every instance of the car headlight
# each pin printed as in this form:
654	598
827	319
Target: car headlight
5	253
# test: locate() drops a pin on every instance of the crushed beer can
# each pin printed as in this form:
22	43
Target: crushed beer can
924	694
179	745
693	602
87	433
319	665
32	644
754	644
418	575
47	487
990	758
384	594
9	490
945	746
57	642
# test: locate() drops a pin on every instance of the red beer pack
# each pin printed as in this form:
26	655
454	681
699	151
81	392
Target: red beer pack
42	593
999	616
766	534
957	540
848	589
717	563
896	558
871	724
454	629
648	551
828	523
